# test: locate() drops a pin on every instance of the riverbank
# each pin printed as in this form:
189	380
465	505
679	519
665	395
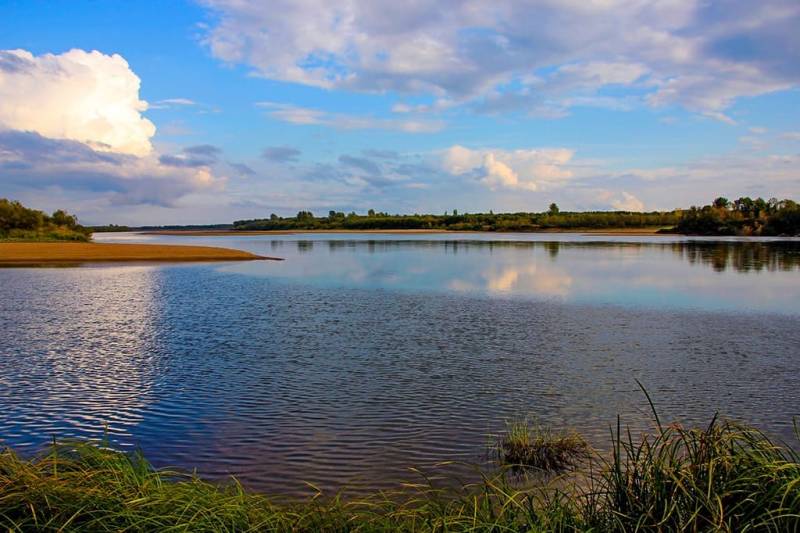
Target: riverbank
239	233
78	252
724	477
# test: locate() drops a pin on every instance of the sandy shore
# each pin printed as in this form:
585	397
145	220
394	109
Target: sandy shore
79	252
234	233
239	233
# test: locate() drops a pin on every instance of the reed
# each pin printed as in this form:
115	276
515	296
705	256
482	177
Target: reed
530	446
722	477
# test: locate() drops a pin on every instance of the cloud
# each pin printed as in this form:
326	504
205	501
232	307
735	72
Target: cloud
202	155
627	202
32	162
281	153
242	169
360	163
381	154
307	116
73	122
169	103
546	55
81	96
208	151
527	169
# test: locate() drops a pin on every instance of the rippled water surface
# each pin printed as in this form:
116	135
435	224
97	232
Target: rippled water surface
359	356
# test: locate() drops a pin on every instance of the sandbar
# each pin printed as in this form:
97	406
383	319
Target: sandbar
81	252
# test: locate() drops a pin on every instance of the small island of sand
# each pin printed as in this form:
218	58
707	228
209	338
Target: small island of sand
80	252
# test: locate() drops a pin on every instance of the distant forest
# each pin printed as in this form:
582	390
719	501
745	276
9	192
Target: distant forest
744	216
552	219
19	223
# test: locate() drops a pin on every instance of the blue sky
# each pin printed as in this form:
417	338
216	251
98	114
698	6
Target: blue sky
215	110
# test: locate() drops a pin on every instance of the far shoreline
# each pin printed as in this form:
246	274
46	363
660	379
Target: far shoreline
21	253
231	233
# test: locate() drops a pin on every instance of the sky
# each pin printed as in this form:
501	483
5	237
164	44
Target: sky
210	111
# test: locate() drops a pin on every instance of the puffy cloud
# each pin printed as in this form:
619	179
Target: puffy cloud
544	55
82	96
627	202
529	169
74	122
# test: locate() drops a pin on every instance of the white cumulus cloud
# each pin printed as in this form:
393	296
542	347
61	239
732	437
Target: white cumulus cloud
627	202
525	169
89	97
73	122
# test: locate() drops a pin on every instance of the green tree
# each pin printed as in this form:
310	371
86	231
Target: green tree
722	202
553	210
61	218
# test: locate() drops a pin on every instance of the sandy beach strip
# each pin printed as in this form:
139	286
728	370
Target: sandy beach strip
240	233
81	252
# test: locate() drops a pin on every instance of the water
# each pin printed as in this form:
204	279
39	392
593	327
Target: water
360	356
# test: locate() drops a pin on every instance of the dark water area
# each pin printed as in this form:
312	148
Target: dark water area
359	357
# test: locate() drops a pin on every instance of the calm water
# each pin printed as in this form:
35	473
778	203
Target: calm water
360	356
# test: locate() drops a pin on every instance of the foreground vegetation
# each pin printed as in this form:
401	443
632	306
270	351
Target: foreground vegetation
744	216
19	223
724	477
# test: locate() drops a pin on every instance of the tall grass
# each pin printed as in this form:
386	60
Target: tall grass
723	477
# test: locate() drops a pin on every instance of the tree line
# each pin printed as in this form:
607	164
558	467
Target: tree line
455	221
18	222
744	216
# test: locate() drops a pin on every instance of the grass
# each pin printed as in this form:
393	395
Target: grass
723	477
49	234
526	446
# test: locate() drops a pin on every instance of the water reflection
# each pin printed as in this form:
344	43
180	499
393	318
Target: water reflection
742	256
694	274
535	279
722	255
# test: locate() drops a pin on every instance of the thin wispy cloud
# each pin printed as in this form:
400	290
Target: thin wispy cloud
315	117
